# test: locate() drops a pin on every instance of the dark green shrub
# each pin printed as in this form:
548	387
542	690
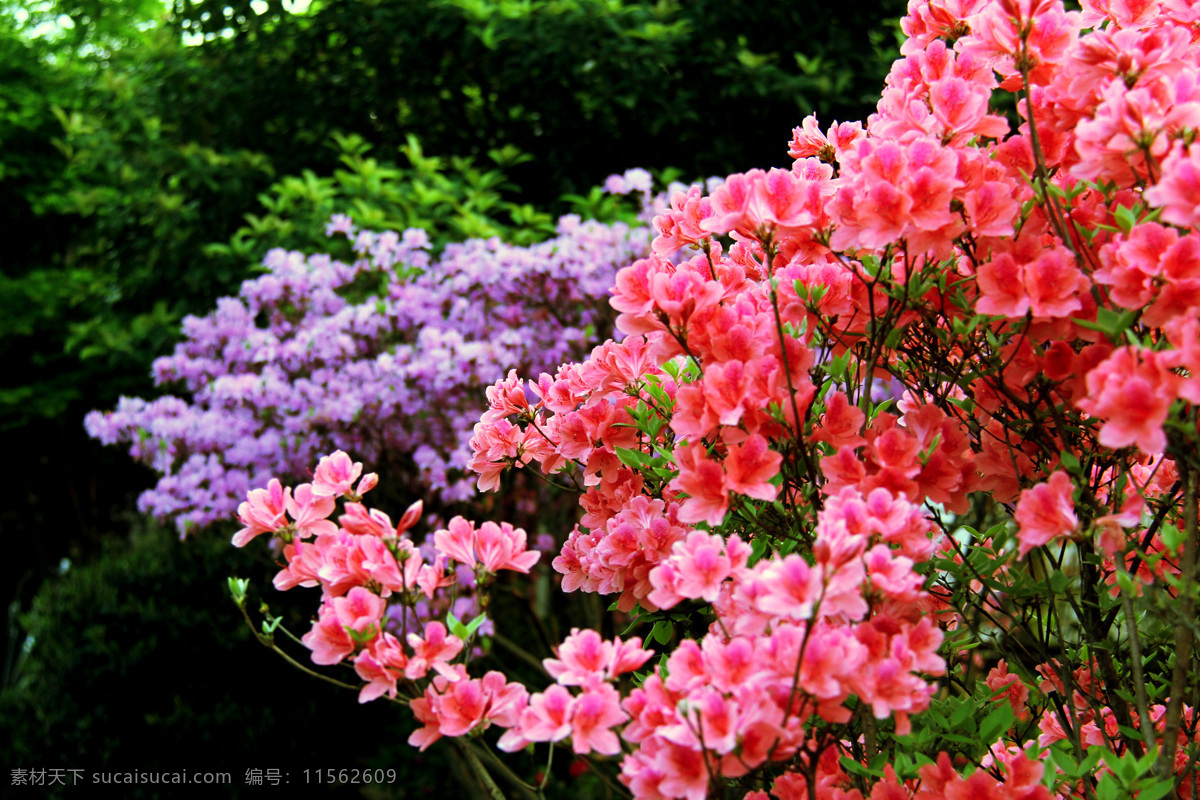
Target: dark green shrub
589	87
141	662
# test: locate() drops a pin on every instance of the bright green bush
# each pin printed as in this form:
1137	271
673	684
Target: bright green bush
452	198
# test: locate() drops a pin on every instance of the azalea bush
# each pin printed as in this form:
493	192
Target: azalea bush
385	356
890	478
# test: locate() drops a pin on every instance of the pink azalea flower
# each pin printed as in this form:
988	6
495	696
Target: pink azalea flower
492	547
335	475
1015	690
1045	513
702	565
459	707
381	666
547	717
1132	392
370	560
750	466
310	512
789	588
503	547
364	521
808	140
505	397
358	612
704	481
262	512
841	424
433	651
328	638
457	541
583	659
1177	190
593	714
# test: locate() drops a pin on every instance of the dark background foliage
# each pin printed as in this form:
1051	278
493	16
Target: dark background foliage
142	177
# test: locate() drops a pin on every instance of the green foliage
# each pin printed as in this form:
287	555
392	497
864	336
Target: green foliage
588	87
452	199
124	208
128	668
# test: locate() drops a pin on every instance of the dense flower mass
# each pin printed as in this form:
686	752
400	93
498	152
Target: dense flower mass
894	461
922	309
384	358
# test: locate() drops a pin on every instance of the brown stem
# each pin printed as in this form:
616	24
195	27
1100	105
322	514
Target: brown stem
525	790
1135	660
1184	639
519	652
468	753
269	643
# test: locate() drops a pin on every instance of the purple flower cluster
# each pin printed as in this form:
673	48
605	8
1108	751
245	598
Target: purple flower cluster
386	358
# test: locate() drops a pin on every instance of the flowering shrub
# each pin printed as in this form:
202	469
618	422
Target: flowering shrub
899	469
386	357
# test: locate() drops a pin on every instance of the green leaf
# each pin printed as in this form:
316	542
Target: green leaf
1125	218
1107	788
474	625
960	715
996	723
759	547
1172	537
855	768
1156	790
237	587
634	459
455	627
663	631
1125	582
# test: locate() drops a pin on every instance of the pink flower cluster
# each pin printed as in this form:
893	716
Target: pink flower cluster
363	563
792	641
588	662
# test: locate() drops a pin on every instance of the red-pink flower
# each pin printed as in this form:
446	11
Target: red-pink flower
841	424
702	565
264	511
593	714
1048	285
1045	513
455	708
790	587
492	547
750	466
432	651
335	475
310	512
503	547
1014	689
1178	189
1131	391
704	482
381	666
341	621
545	719
364	521
505	397
583	659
